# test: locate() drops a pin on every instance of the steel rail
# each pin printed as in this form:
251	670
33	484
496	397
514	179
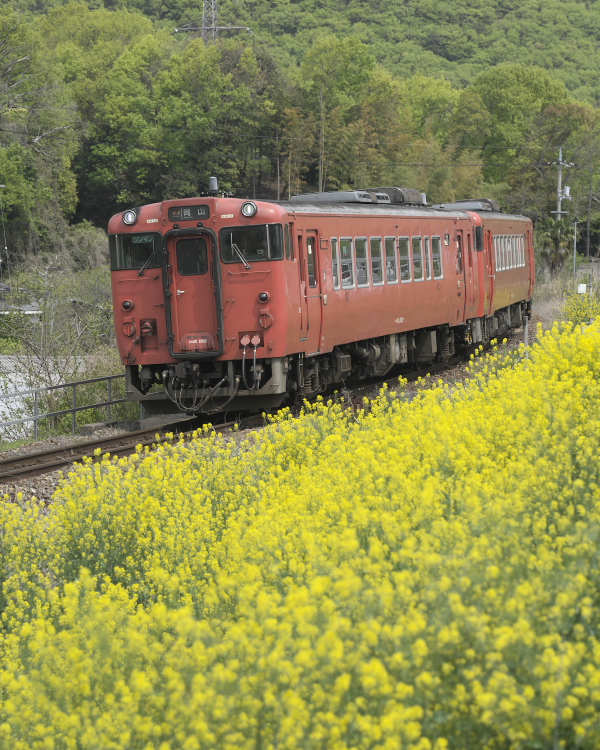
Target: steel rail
43	462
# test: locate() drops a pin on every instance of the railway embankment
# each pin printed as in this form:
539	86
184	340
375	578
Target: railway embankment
422	574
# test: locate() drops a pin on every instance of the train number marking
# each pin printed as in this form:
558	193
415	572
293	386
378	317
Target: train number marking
399	320
151	221
227	216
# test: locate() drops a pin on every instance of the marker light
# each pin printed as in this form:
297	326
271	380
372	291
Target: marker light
249	209
127	305
129	217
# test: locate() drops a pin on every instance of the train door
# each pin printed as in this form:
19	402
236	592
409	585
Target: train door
194	322
491	272
530	260
310	292
460	273
470	275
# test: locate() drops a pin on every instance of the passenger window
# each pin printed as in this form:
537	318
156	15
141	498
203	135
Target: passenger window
362	272
192	257
436	253
459	254
522	247
404	249
376	261
346	263
391	264
427	259
417	248
311	261
335	263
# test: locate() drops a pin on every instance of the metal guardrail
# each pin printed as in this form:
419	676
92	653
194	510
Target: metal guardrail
36	417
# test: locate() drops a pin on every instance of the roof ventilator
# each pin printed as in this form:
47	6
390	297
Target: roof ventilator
396	196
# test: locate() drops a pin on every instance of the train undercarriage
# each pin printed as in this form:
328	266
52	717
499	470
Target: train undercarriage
211	386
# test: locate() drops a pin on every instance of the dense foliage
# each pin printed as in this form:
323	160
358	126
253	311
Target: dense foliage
421	575
102	108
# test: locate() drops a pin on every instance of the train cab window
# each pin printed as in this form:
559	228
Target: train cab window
404	248
376	261
459	254
134	251
287	241
192	256
362	270
347	264
335	263
311	261
253	243
436	257
427	258
417	252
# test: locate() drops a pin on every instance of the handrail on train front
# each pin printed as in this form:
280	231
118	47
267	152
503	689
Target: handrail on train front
35	392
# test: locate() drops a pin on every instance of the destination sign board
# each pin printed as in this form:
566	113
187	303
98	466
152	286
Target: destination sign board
188	213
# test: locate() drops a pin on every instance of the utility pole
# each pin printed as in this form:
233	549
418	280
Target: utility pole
4	236
563	194
210	27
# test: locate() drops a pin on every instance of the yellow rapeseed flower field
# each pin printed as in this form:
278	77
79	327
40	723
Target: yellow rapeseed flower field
423	575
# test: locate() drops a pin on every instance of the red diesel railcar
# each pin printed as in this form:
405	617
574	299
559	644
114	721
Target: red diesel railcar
224	304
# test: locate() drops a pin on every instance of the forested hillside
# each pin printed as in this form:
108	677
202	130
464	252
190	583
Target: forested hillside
107	107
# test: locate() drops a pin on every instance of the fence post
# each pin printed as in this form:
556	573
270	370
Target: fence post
35	413
74	423
109	399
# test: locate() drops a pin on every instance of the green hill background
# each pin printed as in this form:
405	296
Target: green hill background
107	106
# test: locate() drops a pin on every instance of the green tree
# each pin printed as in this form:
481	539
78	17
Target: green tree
335	73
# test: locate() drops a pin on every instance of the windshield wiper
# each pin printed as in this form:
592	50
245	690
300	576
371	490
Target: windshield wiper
236	249
147	263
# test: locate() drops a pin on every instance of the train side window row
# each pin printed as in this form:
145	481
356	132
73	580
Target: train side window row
358	262
509	251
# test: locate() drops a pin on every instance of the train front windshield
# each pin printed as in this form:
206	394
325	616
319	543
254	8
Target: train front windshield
134	251
254	243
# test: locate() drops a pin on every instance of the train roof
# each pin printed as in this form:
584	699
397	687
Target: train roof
386	209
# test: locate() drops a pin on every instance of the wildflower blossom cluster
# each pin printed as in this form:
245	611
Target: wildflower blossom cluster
421	575
581	308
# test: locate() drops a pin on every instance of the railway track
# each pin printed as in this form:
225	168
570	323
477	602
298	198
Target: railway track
43	462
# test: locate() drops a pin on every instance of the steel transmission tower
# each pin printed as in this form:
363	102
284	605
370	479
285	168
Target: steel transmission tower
210	22
210	15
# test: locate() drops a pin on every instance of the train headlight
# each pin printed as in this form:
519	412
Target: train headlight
249	209
129	217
